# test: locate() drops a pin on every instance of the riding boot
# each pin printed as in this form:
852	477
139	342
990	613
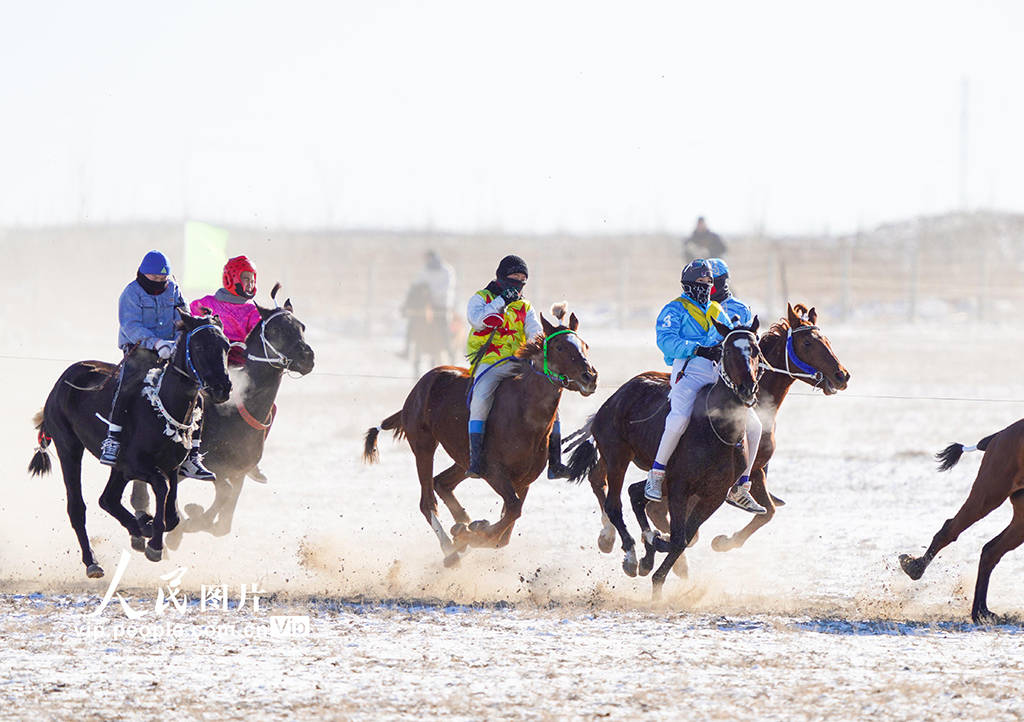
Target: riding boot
476	456
193	468
556	469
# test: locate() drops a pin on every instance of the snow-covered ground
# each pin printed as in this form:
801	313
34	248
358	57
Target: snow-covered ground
812	618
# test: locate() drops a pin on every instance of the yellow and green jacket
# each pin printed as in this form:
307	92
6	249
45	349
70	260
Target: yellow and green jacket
519	323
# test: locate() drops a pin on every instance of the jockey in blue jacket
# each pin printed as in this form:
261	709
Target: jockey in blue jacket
740	314
692	347
146	314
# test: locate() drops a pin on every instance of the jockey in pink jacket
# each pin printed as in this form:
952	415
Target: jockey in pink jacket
238	312
234	304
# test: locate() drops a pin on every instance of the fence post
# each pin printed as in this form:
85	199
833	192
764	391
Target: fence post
623	291
371	292
914	251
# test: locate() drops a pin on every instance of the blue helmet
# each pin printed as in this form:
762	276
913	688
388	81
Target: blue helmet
155	263
718	267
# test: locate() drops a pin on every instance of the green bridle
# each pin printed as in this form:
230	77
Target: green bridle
564	380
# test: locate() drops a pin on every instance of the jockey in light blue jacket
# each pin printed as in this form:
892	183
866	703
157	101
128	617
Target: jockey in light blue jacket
689	342
740	314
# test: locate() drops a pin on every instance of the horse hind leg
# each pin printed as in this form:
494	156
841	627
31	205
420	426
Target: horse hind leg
759	491
424	453
70	455
444	485
988	492
1007	540
598	483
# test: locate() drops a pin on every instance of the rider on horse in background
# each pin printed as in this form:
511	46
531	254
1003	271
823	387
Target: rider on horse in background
237	310
738	313
692	347
146	314
501	322
438	278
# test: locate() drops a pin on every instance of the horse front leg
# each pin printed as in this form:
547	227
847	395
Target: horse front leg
155	547
444	485
759	491
482	533
110	502
140	505
686	519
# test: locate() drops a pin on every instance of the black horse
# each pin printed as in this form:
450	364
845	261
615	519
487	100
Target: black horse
234	434
707	461
154	443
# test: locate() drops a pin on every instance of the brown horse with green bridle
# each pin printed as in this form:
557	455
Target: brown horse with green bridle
524	411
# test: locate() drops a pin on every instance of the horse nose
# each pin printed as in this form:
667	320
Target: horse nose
842	376
590	376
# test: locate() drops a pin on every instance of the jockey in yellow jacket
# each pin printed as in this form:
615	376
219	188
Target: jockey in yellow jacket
501	322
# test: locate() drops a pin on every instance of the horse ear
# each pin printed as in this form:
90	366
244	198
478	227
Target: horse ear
265	313
548	328
794	319
187	319
755	324
812	316
574	323
287	305
722	329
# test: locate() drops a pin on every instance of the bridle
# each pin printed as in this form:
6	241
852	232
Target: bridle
278	359
809	372
730	384
191	372
557	379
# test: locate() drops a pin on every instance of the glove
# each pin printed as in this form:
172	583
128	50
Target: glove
711	353
510	294
164	349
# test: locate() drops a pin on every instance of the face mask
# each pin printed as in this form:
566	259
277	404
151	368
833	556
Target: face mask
512	283
240	291
722	290
153	288
699	292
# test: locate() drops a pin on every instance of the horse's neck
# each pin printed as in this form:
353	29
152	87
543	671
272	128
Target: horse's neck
726	411
774	386
541	397
263	381
178	393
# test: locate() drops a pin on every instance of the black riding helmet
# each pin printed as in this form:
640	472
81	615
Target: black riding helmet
692	287
506	267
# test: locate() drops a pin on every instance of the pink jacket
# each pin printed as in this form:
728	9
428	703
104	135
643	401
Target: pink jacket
238	319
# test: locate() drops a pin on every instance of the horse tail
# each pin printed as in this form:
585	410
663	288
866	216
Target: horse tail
583	460
949	456
580	435
40	463
371	455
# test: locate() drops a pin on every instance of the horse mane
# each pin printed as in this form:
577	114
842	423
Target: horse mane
531	348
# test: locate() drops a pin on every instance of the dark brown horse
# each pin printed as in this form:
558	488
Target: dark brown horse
628	427
1000	477
162	421
518	427
793	348
234	433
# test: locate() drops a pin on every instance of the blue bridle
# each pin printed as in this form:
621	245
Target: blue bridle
188	352
791	353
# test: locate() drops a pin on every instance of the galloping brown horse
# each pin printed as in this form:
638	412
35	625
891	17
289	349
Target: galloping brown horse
792	348
628	427
1001	476
518	427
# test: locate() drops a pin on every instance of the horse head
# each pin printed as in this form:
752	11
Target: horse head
279	340
741	358
202	353
808	350
565	354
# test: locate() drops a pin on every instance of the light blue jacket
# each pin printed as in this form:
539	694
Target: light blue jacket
147	319
735	307
679	333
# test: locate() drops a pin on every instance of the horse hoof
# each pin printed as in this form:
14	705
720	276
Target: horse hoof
912	566
139	543
154	555
646	565
606	542
458	529
721	543
479	525
94	571
629	563
984	616
452	560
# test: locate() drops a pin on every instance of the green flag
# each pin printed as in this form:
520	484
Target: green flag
205	255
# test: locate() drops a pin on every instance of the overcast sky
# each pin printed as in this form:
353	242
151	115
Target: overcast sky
474	115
